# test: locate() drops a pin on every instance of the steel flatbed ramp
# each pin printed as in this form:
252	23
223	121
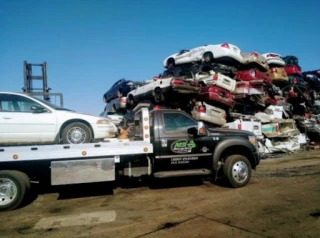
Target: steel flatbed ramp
55	152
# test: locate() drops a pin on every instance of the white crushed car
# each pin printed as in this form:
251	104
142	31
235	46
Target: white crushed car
27	120
218	79
205	112
273	58
158	88
204	53
255	58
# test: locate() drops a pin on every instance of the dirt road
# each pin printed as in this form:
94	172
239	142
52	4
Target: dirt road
281	200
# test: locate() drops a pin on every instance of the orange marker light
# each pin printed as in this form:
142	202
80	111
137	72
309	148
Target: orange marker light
84	153
15	156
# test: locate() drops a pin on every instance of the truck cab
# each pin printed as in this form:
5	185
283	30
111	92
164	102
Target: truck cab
183	146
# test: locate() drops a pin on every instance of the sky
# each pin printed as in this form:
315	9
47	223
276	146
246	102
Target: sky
90	44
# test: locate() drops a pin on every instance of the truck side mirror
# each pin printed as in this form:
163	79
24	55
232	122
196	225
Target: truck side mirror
201	129
193	131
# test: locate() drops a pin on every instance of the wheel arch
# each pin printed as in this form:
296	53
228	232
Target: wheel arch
170	60
157	88
130	97
209	53
231	147
66	123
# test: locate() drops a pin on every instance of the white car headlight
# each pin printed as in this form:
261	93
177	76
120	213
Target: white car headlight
103	121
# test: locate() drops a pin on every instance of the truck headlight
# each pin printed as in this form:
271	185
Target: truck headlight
253	140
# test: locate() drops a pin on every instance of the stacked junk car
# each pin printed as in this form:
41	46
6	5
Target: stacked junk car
266	94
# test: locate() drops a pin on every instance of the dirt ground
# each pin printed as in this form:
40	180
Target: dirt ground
281	200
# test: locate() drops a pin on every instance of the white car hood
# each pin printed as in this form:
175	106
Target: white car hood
74	115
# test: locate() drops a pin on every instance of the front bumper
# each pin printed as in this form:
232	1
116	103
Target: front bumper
101	131
257	157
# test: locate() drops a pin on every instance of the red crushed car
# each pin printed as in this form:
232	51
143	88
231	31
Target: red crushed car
275	100
252	75
293	70
214	93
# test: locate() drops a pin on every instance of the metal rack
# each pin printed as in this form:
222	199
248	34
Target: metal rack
29	79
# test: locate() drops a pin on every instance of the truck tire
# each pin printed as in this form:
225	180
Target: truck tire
237	170
13	189
76	133
158	96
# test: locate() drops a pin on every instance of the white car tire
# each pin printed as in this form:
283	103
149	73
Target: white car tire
76	133
158	96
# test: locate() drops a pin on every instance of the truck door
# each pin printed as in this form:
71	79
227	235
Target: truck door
177	149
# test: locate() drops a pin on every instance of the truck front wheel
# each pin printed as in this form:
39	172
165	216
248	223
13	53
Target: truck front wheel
13	189
237	170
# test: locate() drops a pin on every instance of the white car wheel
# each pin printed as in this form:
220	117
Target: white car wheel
76	133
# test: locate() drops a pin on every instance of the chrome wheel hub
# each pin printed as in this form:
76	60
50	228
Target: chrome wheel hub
76	135
8	191
240	171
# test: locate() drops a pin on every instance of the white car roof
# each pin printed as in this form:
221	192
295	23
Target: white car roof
14	93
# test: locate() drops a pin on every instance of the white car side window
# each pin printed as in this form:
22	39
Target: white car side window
16	103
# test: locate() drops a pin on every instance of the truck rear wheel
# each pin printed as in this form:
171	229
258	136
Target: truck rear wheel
237	170
13	189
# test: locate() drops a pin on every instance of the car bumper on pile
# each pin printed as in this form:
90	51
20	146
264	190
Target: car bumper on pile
278	77
217	120
275	61
216	97
185	89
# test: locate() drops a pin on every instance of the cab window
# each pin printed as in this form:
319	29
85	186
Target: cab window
177	121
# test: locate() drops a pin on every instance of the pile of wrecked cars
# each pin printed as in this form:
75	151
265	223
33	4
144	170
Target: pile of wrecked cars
225	87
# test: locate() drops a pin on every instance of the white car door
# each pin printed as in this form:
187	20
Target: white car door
20	124
192	55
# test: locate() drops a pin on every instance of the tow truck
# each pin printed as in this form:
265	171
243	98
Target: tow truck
166	143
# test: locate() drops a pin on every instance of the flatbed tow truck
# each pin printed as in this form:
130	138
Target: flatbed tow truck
167	143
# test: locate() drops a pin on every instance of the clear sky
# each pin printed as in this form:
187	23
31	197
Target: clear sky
89	44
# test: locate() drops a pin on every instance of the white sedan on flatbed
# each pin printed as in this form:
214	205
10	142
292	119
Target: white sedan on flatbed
204	53
29	120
